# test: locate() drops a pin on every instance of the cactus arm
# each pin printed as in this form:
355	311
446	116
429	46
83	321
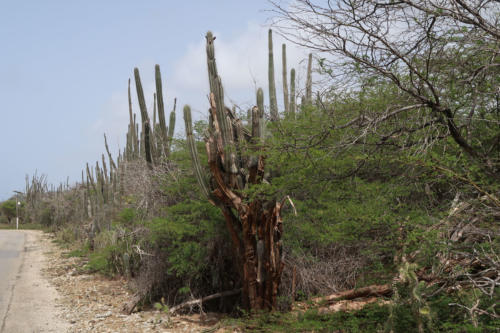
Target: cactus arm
133	132
194	152
161	110
144	117
260	106
309	80
171	128
292	93
111	162
285	80
224	123
273	104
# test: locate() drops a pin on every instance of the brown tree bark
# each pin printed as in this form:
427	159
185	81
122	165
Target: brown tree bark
255	230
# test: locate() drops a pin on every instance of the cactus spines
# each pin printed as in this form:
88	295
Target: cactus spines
144	117
309	80
194	152
292	93
273	104
285	80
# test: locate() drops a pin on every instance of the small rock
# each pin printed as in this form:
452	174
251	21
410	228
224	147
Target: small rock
104	315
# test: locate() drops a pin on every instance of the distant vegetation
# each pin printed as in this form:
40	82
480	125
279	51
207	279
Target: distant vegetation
383	170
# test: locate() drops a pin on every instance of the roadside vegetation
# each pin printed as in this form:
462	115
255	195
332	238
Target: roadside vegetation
381	171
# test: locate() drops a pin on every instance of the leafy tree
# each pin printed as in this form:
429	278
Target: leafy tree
8	209
441	57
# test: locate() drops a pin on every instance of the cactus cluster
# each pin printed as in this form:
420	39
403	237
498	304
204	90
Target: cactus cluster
103	186
155	139
236	162
289	98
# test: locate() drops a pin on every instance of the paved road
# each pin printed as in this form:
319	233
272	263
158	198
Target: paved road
27	299
11	257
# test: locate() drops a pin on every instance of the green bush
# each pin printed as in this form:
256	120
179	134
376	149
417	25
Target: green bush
47	216
8	209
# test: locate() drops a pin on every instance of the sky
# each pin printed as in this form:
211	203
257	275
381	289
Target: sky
64	68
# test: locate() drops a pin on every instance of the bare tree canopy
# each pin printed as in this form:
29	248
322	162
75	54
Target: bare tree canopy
441	55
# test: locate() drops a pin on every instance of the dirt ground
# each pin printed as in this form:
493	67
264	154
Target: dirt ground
93	303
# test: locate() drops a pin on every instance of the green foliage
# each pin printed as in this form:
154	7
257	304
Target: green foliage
8	209
47	216
355	197
127	216
79	252
369	319
99	262
185	235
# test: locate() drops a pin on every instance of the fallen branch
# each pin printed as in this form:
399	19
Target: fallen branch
370	291
200	301
351	305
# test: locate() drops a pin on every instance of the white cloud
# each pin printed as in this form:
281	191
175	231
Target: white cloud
242	63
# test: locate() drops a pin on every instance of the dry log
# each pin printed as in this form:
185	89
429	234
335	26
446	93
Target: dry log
130	306
203	299
370	291
350	305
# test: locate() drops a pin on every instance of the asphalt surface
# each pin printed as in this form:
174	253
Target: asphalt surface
11	258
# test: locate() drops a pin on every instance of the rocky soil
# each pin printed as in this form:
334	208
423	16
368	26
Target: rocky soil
94	303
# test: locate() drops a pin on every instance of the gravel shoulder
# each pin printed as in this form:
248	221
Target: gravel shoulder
94	303
50	294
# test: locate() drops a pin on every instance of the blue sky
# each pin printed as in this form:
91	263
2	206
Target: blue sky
64	67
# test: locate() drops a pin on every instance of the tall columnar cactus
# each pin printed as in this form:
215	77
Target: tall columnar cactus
157	141
93	203
254	224
273	104
285	80
260	110
133	133
128	145
198	171
225	133
153	126
138	139
292	93
83	191
105	170
111	162
161	111
144	117
309	81
171	129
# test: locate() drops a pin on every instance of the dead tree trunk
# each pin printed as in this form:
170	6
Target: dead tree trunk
236	163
